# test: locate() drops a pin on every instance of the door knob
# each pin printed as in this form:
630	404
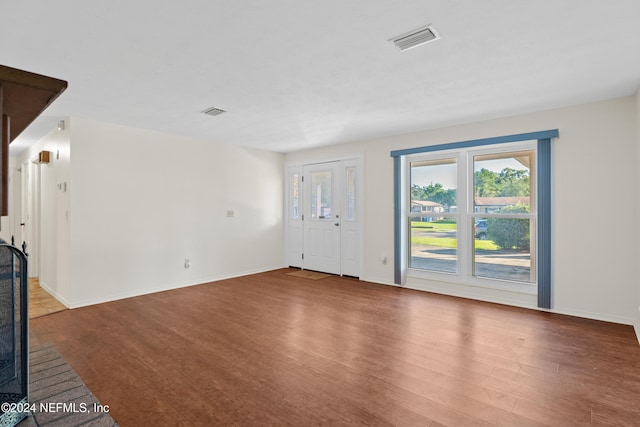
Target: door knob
336	224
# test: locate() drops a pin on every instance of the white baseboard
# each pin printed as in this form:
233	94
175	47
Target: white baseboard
166	287
450	291
500	299
54	294
377	281
592	315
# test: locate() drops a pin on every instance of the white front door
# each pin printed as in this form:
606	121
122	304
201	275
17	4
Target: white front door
321	222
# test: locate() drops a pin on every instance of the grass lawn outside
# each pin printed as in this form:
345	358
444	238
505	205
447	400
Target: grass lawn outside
435	226
445	242
486	245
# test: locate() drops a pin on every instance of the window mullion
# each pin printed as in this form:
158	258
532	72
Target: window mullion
464	225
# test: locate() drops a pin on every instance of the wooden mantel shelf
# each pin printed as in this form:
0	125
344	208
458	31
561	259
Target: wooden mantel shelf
23	97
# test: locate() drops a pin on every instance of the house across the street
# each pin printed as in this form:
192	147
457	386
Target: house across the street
493	204
428	207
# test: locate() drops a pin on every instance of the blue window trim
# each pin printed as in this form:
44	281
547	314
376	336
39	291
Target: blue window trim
544	200
397	221
544	223
545	134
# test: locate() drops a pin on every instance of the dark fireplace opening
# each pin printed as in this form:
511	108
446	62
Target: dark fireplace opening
14	318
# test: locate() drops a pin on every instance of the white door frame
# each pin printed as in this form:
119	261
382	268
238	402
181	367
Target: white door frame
15	208
294	239
31	214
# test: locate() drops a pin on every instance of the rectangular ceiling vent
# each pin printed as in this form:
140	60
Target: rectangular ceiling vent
213	111
415	38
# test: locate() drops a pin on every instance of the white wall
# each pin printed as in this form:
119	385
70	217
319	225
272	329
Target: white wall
594	215
144	201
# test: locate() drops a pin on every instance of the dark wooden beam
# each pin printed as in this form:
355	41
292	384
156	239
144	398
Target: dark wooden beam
4	164
4	157
23	97
26	96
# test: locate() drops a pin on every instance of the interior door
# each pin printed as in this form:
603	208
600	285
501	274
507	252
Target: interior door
26	196
15	214
31	215
321	223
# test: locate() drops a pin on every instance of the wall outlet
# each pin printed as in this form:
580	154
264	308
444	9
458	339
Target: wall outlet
187	263
230	213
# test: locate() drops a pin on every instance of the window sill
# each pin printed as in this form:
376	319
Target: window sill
456	279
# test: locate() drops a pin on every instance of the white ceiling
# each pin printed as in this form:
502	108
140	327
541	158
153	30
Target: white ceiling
297	74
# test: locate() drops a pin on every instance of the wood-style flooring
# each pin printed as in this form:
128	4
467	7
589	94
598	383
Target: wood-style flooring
272	349
41	302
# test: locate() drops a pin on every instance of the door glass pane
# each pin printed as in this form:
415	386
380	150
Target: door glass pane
295	196
321	201
502	249
434	241
351	194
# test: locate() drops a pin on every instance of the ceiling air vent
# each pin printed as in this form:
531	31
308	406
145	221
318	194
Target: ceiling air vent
415	38
213	111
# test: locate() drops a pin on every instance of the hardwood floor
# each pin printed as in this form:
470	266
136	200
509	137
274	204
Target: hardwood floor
40	302
272	349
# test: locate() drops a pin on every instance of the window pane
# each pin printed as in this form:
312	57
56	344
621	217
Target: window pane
351	194
434	245
433	237
502	249
321	195
502	182
433	188
295	196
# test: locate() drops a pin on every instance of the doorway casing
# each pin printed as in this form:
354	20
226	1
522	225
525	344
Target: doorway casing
324	216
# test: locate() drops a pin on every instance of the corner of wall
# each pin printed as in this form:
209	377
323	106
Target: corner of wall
637	323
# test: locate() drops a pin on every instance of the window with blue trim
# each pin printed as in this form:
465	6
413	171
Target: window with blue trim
476	212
